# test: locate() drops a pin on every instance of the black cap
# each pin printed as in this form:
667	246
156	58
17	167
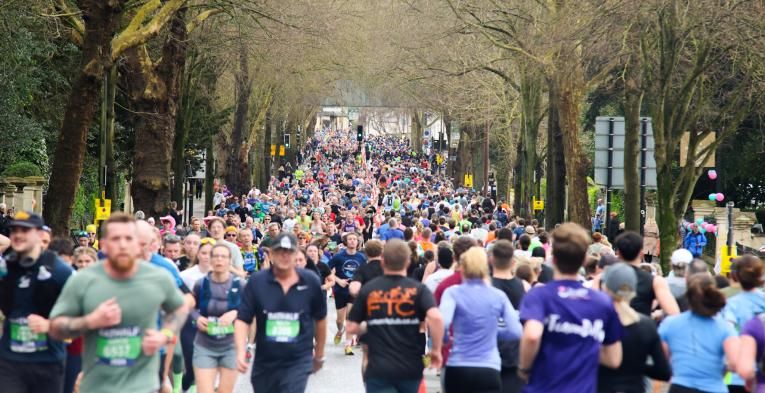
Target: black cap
27	220
285	241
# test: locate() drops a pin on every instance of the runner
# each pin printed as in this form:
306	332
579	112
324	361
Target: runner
217	228
218	295
30	360
345	264
565	321
121	339
392	330
287	306
190	249
479	314
373	249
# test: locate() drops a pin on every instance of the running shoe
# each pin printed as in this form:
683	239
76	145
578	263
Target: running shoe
339	337
349	350
355	341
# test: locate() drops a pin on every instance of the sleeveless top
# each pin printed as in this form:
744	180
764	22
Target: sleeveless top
644	295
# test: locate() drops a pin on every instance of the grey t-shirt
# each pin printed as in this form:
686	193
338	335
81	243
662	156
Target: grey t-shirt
217	337
113	360
236	254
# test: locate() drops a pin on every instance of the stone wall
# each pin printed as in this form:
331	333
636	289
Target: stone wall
22	193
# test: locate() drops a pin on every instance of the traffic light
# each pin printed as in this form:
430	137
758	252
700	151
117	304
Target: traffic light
359	133
287	140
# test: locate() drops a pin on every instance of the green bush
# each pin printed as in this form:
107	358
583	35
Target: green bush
22	169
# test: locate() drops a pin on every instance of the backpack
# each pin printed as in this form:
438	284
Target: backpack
234	294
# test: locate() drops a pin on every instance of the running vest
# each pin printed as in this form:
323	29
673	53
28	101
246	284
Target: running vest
644	295
234	295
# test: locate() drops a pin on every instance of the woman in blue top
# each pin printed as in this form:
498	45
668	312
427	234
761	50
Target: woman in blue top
698	343
478	314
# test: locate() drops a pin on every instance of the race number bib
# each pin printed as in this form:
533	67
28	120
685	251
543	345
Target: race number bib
118	347
282	327
216	330
23	340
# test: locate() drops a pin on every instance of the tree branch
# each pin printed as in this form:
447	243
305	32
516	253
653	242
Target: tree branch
138	33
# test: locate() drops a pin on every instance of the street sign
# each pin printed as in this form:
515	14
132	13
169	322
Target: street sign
281	150
468	180
103	209
273	150
426	134
609	152
538	205
454	138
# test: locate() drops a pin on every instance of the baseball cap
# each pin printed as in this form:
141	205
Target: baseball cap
620	278
285	241
24	219
681	257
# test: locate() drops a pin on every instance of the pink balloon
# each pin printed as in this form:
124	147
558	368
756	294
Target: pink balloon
712	174
719	197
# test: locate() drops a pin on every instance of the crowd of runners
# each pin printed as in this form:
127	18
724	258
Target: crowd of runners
422	275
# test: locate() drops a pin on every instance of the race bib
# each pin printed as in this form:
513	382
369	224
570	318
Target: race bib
282	327
23	340
216	330
118	347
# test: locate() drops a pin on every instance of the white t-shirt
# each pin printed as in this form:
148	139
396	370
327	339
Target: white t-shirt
289	224
191	275
434	279
521	253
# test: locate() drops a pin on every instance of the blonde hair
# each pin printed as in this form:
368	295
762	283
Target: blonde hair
79	251
474	263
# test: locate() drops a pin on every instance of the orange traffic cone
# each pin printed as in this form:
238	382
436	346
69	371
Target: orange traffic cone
423	388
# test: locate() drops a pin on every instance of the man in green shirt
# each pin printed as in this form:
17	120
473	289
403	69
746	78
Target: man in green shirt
115	304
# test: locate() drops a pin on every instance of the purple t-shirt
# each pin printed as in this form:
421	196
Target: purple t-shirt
577	321
755	329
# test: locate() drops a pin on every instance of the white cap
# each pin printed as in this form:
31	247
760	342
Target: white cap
681	257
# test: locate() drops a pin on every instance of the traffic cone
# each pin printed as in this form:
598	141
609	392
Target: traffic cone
423	388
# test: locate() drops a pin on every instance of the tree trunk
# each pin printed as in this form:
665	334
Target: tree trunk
209	175
556	164
237	168
531	108
417	128
463	163
158	104
667	220
103	19
633	99
111	170
571	91
265	172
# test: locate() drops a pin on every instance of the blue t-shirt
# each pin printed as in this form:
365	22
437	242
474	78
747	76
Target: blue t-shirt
738	310
696	350
392	233
160	261
346	265
577	321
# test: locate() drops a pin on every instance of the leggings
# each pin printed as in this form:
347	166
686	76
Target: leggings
682	389
472	380
188	333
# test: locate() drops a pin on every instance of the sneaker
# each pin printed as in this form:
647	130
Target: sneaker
339	337
355	342
348	350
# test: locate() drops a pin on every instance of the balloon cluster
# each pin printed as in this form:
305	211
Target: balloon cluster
719	197
703	226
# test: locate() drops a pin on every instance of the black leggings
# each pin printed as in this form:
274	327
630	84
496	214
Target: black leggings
471	380
682	389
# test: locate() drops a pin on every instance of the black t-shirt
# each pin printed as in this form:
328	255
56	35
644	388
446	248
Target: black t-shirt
393	307
368	272
182	263
640	340
513	288
243	212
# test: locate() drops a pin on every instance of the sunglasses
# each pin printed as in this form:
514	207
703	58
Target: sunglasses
207	240
231	235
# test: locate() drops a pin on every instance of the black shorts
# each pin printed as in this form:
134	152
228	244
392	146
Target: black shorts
342	298
17	377
289	379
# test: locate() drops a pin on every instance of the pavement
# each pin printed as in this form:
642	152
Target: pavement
341	373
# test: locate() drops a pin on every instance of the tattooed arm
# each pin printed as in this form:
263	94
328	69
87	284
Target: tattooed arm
174	320
106	314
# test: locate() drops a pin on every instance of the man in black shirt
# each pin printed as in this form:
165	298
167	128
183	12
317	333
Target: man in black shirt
390	309
501	259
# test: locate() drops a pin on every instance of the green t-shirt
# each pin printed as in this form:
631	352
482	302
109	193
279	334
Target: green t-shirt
113	360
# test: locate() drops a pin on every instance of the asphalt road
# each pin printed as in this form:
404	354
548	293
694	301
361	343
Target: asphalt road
341	373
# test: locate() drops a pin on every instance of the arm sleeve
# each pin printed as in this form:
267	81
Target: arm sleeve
660	369
69	302
173	298
447	307
247	307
